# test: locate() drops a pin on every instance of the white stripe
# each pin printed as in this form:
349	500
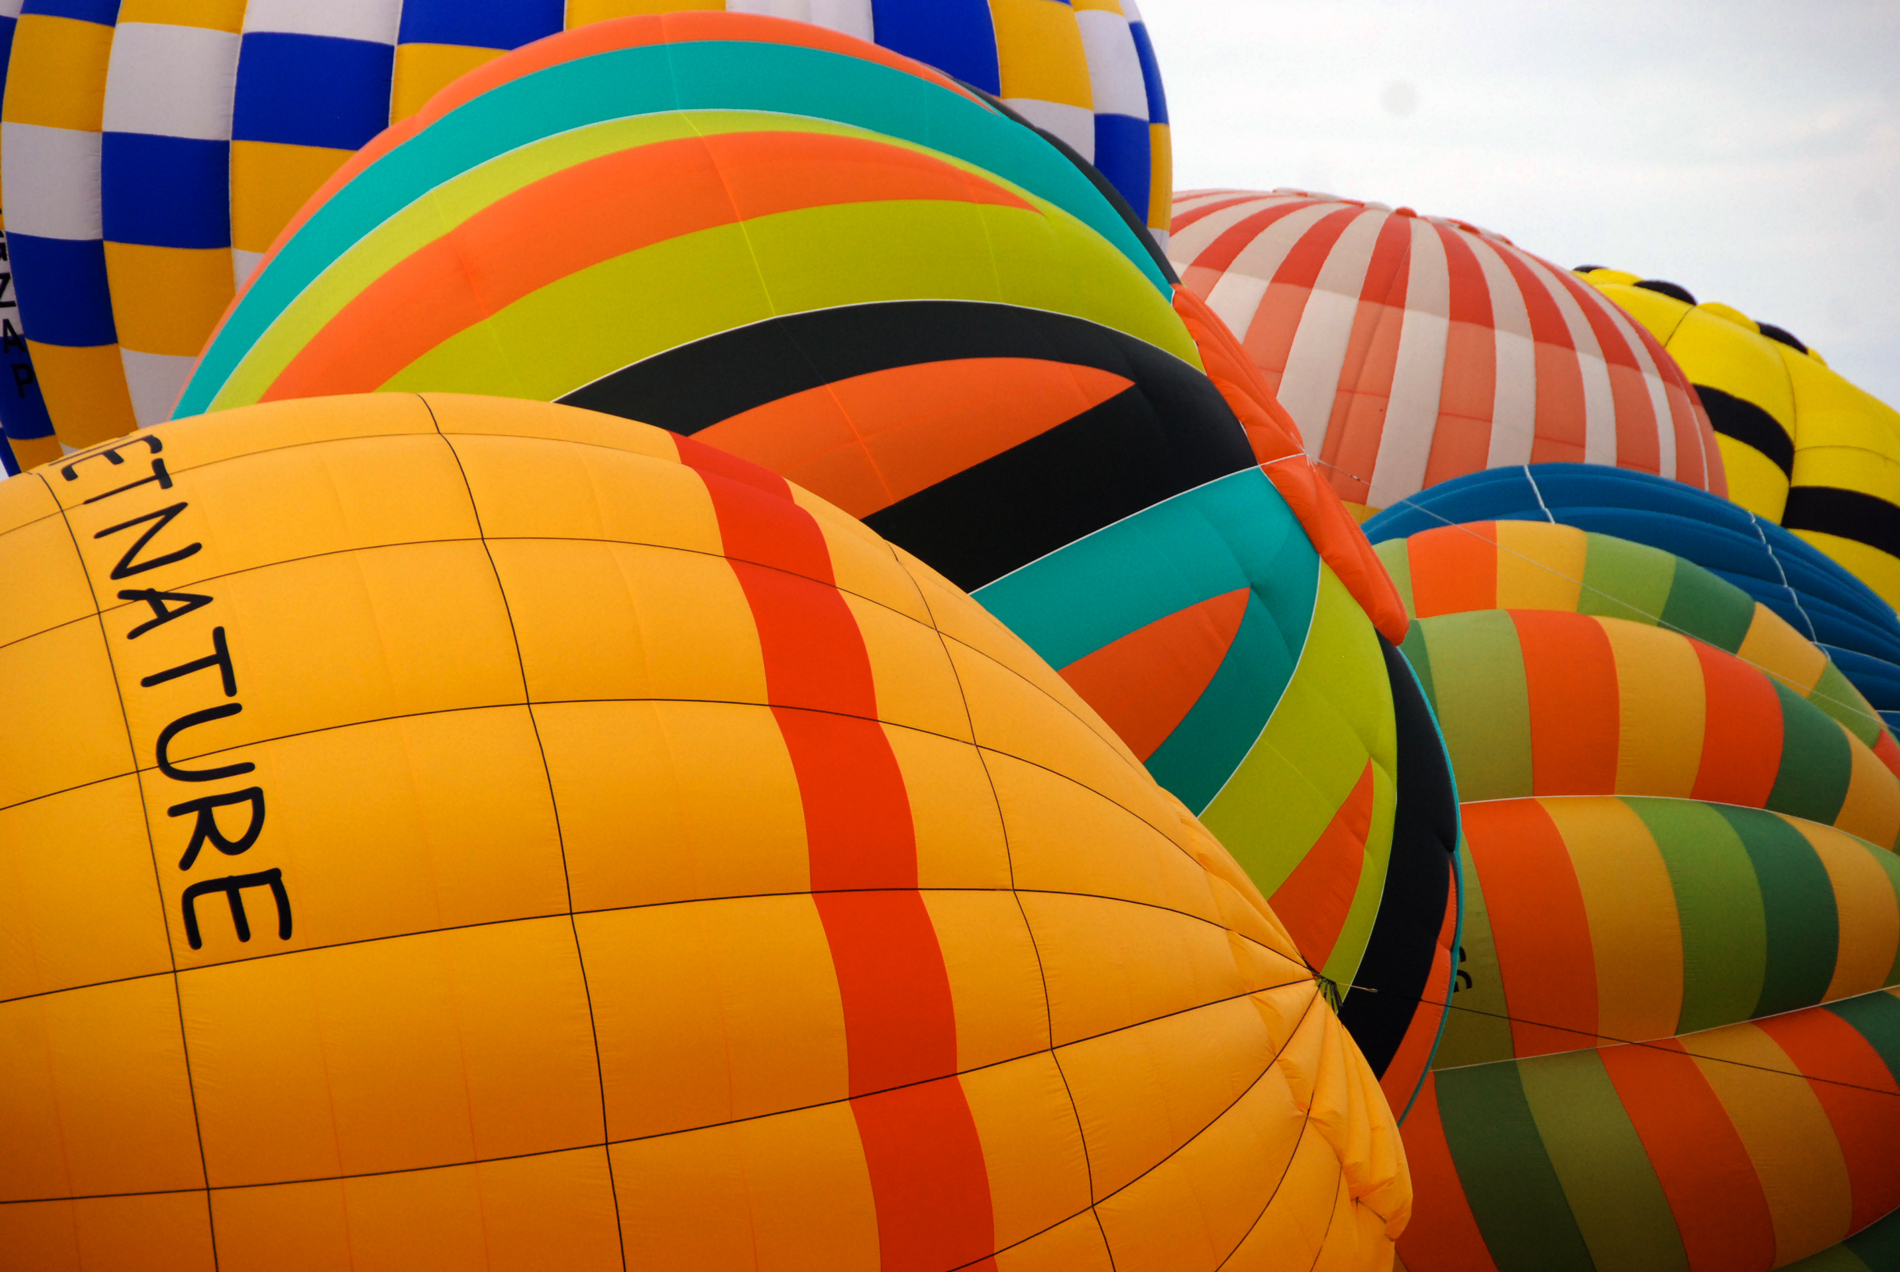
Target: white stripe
51	177
1161	241
10	8
852	17
243	265
1652	381
1074	124
1114	66
1514	396
1191	240
1236	298
1313	363
1418	373
173	81
1268	250
1599	401
155	381
374	20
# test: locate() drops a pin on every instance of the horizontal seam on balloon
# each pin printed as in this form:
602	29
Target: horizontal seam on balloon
640	905
1657	1046
735	1121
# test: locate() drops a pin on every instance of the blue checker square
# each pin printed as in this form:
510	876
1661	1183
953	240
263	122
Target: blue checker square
1121	155
165	191
311	90
63	291
1150	73
955	36
484	26
103	12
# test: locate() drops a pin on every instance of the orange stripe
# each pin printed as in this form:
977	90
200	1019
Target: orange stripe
1698	1156
928	1177
1407	1066
1866	1123
1570	680
1144	684
1741	732
1454	569
1539	924
605	207
1316	898
870	440
1887	751
1443	1235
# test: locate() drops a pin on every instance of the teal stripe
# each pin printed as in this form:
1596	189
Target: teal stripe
1196	760
1817	761
1501	1160
1719	904
1802	922
700	75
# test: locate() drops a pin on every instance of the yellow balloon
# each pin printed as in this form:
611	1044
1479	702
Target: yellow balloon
452	833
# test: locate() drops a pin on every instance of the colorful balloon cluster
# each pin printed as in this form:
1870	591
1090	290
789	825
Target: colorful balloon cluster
717	635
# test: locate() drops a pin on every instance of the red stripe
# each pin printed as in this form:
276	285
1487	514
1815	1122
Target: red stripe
1741	731
1364	390
1467	396
1866	1122
1454	569
1570	682
1699	1158
1407	1067
1561	411
926	1166
1539	924
1232	241
1315	899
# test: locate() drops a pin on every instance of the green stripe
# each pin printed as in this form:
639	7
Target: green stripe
1719	903
1477	1028
1708	608
1398	563
1840	1258
1802	922
1607	1177
1878	1244
703	75
1482	703
1624	580
1817	762
1875	1017
1835	694
1421	659
1514	1191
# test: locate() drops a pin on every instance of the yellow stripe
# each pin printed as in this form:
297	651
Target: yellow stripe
1865	898
1161	202
1872	807
581	12
1660	709
1755	482
269	183
1634	928
1786	1134
1871	566
1039	52
85	391
423	70
1782	652
167	299
1540	566
57	75
212	15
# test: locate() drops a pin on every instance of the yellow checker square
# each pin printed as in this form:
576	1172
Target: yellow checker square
1111	964
31	452
274	506
57	74
61	682
711	1011
1146	1091
270	182
715	1199
548	1210
673	801
212	15
167	300
162	1232
953	811
1037	1163
84	388
394	1054
995	981
1039	52
116	902
528	487
618	621
46	585
423	70
375	648
1161	179
385	828
85	1120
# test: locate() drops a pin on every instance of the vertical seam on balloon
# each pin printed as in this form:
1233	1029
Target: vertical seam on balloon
1009	858
554	806
1532	479
158	879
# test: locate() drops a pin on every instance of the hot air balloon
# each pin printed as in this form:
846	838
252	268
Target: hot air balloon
1803	446
1816	596
26	431
155	151
1411	350
1021	405
447	832
1672	1043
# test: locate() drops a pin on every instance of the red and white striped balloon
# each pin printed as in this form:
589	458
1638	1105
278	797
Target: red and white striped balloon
1414	349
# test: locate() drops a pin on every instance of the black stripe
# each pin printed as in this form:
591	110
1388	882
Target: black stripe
1675	290
1783	335
1168	433
1748	424
1399	953
1850	514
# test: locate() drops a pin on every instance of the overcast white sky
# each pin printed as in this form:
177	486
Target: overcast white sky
1747	150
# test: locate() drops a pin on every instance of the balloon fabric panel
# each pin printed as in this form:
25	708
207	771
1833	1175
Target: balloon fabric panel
26	431
859	1017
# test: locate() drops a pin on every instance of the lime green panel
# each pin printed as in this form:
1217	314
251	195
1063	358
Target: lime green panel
1477	1028
1483	706
1397	560
1625	580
